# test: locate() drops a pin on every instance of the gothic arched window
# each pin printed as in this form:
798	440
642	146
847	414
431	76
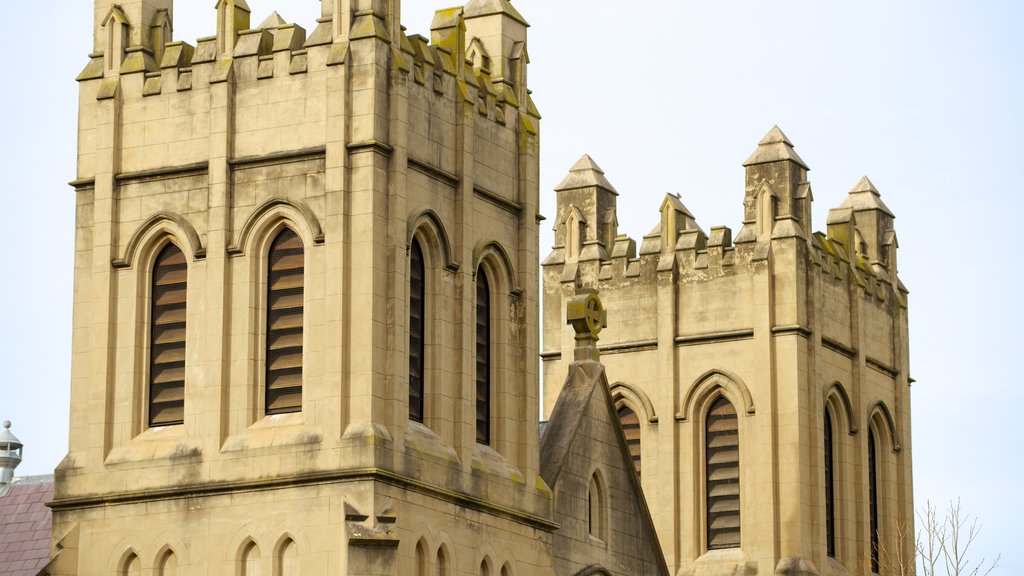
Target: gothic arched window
132	566
873	499
483	358
421	559
287	561
442	562
630	423
168	564
417	319
830	488
597	515
250	560
167	338
285	277
722	454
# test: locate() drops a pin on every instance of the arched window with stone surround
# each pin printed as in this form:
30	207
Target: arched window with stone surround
417	330
168	564
630	423
722	467
287	561
830	488
131	566
597	515
285	293
483	358
873	500
167	338
421	559
442	562
250	560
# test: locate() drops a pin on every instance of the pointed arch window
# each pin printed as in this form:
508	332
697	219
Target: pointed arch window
287	563
168	565
596	518
442	562
167	338
873	499
285	290
417	318
722	454
132	566
483	358
250	560
421	559
630	423
830	488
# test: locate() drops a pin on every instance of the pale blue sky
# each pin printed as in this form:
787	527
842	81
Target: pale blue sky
924	97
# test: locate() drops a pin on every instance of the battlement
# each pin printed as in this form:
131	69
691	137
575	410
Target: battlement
858	248
476	56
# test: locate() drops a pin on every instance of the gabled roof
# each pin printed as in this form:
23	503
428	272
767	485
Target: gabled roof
25	523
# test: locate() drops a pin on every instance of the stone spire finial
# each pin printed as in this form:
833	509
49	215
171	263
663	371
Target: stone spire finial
588	317
475	8
585	173
864	196
10	453
775	146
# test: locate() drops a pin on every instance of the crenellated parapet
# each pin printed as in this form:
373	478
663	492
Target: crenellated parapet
476	56
858	248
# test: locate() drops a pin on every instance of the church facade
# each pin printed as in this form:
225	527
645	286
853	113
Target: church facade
762	379
307	320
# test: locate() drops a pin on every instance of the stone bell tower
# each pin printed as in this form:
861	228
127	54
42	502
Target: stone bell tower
762	381
306	315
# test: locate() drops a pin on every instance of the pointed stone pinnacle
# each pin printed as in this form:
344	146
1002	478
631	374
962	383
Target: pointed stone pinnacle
272	22
240	4
585	174
475	8
864	196
586	163
865	185
775	136
775	147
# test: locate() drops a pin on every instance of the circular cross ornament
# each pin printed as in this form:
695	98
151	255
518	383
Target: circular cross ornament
586	314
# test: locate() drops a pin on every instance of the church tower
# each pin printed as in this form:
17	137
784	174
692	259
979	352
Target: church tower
305	318
762	380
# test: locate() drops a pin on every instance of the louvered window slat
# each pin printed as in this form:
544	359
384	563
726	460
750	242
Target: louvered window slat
722	475
830	492
483	358
285	315
167	338
630	423
417	311
873	500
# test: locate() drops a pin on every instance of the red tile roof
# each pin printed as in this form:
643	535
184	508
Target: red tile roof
25	526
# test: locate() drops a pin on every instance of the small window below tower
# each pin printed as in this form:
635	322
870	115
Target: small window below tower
597	520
